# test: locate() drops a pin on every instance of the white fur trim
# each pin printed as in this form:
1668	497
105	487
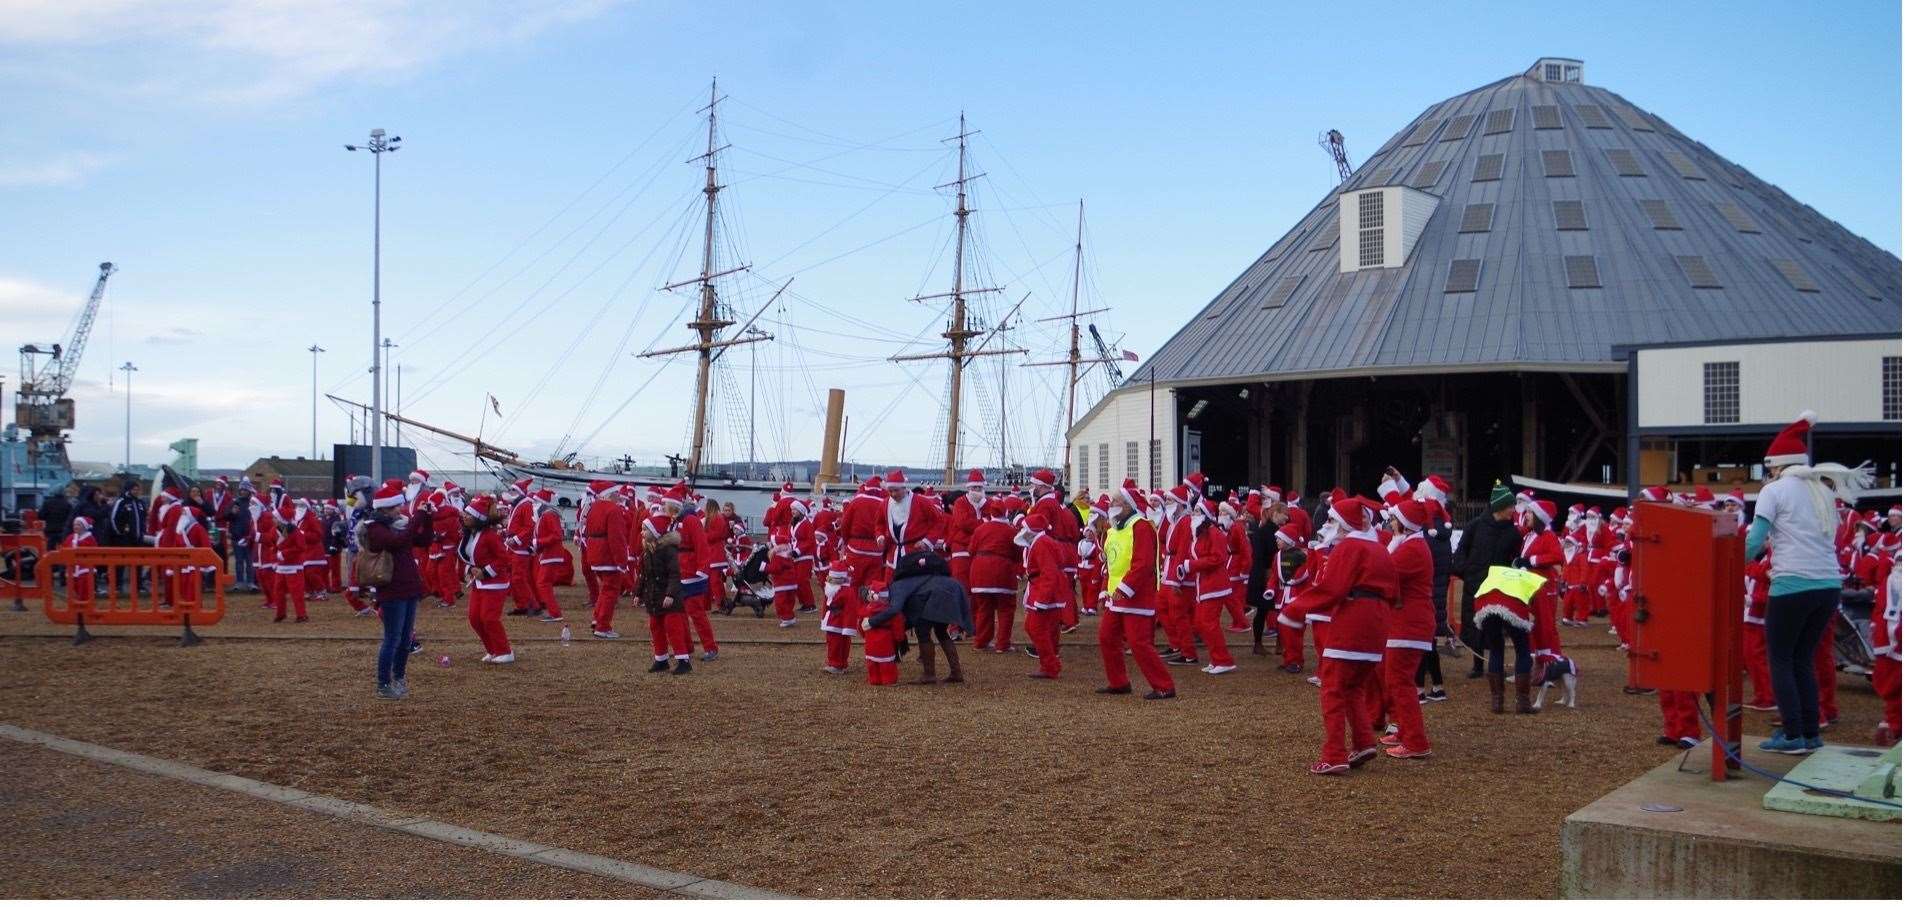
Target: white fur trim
1352	655
1408	644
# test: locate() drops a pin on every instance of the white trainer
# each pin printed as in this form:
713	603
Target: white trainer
503	659
1220	669
606	634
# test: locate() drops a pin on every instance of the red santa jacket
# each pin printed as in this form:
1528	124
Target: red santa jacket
1239	541
1412	624
487	554
605	536
826	539
785	572
863	525
996	564
1543	552
1759	577
444	529
1210	560
692	555
519	534
549	536
807	545
1047	587
1886	611
1356	587
1064	523
960	524
265	525
919	529
1177	552
715	531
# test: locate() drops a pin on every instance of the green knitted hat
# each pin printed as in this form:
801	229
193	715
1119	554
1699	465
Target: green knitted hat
1500	497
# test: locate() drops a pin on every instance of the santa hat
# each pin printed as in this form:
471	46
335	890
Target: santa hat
1433	488
600	487
81	525
1703	496
544	496
1410	514
1273	493
1301	520
1036	523
975	479
277	482
389	494
437	498
1543	511
655	526
1208	508
838	572
1043	476
1619	514
1657	493
895	479
1196	482
1737	497
1181	495
1134	498
420	475
479	506
677	495
1790	446
1593	513
1102	506
1349	512
1013	504
1392	485
450	487
1290	536
223	480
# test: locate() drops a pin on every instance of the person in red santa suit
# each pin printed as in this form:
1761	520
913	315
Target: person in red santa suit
1599	541
317	564
1063	523
715	531
865	536
1092	557
80	579
547	547
293	543
1238	540
881	630
605	535
589	577
960	523
1357	586
660	592
265	562
913	520
1411	631
1754	633
1291	573
1047	589
807	551
1542	555
785	575
697	587
1886	648
519	536
827	545
445	568
1210	569
840	619
1179	593
994	574
1131	605
491	563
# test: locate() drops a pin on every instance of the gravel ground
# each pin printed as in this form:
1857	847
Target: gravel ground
759	769
78	829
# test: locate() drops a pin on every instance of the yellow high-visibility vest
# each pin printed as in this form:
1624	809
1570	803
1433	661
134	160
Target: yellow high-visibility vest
1118	553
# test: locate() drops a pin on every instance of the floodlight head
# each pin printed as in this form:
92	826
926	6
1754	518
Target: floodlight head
377	133
350	148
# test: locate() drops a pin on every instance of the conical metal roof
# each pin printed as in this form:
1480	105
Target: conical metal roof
1570	221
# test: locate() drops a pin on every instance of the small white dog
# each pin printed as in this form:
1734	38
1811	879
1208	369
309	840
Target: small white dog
1560	669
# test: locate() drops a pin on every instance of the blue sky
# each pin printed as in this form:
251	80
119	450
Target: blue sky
542	195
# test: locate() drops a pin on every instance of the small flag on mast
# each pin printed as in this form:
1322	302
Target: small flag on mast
495	406
1128	356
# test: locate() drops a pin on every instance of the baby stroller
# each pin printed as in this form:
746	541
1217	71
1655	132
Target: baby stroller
752	589
1853	632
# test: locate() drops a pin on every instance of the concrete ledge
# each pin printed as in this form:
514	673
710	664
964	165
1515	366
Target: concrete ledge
660	880
1721	843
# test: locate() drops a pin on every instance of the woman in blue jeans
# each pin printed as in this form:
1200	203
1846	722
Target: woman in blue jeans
388	529
1795	516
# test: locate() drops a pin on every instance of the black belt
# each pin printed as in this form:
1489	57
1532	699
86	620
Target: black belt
1364	593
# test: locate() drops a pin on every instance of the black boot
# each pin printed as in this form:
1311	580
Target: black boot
660	666
683	666
1475	668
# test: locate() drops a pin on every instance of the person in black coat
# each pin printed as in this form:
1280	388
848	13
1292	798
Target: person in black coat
923	589
1490	540
1263	548
126	528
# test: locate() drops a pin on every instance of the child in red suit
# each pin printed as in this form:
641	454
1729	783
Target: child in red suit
1754	633
79	580
785	574
880	641
1048	588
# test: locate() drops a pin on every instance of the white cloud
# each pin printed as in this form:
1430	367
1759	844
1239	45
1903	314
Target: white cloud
33	312
263	50
60	170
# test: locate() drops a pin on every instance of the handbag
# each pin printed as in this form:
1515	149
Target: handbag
369	568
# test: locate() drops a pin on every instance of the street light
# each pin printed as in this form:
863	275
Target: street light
315	350
128	368
378	146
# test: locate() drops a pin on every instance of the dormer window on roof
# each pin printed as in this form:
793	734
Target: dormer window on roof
1556	69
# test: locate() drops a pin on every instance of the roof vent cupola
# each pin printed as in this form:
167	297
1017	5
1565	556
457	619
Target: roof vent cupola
1556	69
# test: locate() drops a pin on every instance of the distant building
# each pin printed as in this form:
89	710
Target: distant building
1489	293
303	477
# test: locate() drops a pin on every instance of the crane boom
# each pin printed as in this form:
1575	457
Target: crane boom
1105	353
82	329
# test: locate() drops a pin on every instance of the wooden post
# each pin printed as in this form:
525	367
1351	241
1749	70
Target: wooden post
1299	440
831	439
1531	427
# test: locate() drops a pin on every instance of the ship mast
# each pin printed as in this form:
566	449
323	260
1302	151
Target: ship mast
957	332
708	319
1073	360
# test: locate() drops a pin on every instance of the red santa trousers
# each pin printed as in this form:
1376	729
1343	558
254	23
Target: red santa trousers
1042	627
589	578
1827	675
993	620
1069	615
1754	648
334	566
267	576
79	586
883	667
291	591
486	618
697	608
1345	708
523	582
668	632
1090	588
449	579
1234	607
839	645
546	587
1399	686
608	589
962	570
804	590
1119	631
315	578
1179	616
1886	684
785	601
1680	715
1290	641
1207	624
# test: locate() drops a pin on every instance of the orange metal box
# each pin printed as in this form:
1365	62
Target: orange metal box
1689	583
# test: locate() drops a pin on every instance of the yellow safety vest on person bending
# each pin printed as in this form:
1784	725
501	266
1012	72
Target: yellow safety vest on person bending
1118	553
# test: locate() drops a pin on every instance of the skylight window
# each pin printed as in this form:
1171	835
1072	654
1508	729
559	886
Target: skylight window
1569	215
1422	132
1700	276
1557	163
1659	214
1464	275
1282	293
1582	272
1593	117
1499	121
1633	118
1459	127
1477	218
1624	161
1547	116
1796	277
1428	174
1737	217
1488	168
1683	165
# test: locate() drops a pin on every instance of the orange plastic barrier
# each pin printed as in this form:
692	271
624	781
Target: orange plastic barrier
16	547
174	594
